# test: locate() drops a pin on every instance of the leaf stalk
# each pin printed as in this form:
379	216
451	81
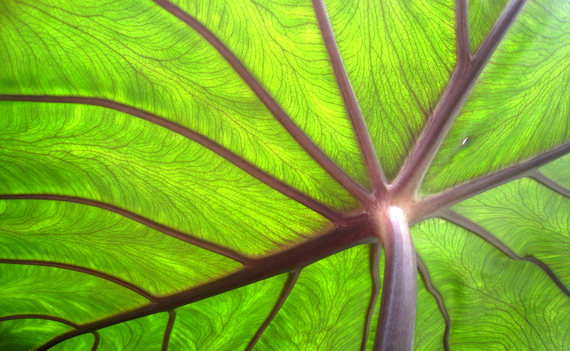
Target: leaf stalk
397	320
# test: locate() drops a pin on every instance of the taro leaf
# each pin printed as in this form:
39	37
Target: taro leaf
208	175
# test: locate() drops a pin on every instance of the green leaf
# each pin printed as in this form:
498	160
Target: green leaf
220	175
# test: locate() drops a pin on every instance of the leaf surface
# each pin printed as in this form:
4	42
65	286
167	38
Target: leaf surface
207	175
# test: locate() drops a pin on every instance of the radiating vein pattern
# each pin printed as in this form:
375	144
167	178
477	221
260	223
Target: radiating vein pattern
520	95
284	50
300	137
465	75
108	156
375	173
166	69
389	71
443	200
169	168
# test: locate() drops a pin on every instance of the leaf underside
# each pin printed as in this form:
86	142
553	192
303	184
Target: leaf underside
203	175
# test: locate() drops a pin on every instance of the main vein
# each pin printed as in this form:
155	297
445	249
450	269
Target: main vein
336	240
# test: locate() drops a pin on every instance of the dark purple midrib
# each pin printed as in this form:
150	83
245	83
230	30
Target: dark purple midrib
462	81
339	239
280	115
236	160
287	288
474	228
377	177
89	271
142	220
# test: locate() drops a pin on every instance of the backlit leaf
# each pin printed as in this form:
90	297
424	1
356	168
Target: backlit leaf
221	175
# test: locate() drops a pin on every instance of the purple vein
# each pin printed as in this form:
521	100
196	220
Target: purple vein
311	148
39	316
549	183
196	137
168	331
89	271
374	262
499	30
460	85
351	102
142	220
430	205
462	33
338	239
424	273
96	341
287	288
493	240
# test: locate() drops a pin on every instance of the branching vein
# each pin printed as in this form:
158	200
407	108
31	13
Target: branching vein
432	204
89	271
351	102
549	183
39	316
312	149
96	341
424	273
196	137
296	257
287	288
168	331
140	219
491	239
460	85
